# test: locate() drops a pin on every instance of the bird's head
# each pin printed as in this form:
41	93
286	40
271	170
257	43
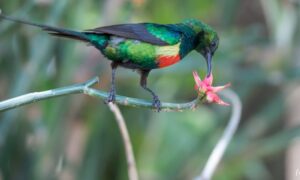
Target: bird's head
206	42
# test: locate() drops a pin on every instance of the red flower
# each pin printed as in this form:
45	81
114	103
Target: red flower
207	91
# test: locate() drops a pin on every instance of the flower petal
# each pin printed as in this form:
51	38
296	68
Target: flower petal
214	98
197	79
209	79
205	89
200	85
220	88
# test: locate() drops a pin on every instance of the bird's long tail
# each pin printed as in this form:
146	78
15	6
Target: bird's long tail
61	32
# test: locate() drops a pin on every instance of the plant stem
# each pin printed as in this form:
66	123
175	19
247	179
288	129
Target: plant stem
218	151
85	88
132	170
38	96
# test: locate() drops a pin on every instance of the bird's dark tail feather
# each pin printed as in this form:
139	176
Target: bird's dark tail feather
61	32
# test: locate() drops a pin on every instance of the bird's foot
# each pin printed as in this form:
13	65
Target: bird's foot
111	97
156	103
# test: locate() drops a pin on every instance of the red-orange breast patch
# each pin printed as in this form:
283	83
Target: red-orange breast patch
164	61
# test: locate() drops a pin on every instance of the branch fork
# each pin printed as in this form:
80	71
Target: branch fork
86	88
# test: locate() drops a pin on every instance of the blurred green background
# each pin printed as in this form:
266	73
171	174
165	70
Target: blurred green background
76	137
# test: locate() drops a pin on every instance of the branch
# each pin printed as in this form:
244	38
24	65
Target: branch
132	170
218	151
85	88
38	96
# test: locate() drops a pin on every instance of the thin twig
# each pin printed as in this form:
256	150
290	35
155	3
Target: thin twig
38	96
85	88
218	151
132	170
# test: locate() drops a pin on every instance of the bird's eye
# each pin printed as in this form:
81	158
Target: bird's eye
213	45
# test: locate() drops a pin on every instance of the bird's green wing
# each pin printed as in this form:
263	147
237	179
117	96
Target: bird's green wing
156	34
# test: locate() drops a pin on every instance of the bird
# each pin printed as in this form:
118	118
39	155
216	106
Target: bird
142	46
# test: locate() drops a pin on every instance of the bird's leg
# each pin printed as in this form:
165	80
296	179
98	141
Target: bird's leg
143	82
112	93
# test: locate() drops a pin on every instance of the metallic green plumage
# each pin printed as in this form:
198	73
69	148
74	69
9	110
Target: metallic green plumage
143	46
164	33
137	53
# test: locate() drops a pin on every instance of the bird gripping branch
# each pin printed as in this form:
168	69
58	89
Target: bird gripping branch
142	46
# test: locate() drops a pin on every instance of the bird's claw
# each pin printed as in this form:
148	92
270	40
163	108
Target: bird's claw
156	103
111	97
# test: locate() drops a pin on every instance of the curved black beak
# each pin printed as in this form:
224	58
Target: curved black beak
208	58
